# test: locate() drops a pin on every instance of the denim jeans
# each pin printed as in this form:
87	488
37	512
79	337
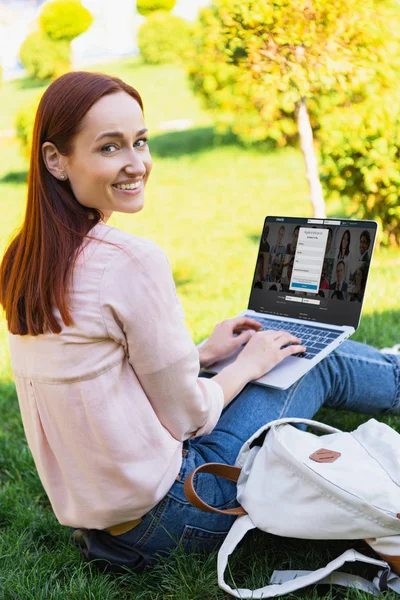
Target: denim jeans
355	377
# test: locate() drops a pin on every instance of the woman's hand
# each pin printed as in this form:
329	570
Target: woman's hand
266	350
222	343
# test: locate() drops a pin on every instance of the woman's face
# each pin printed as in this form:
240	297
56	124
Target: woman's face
345	241
110	161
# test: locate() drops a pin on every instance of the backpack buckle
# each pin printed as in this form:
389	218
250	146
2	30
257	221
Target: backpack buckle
383	579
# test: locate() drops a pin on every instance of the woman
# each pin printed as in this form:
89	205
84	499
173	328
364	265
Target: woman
278	247
344	248
291	247
259	274
344	253
360	279
106	373
275	270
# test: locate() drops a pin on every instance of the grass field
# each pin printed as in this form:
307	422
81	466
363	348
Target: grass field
205	205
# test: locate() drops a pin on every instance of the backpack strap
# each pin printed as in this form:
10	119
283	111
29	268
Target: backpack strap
220	470
285	582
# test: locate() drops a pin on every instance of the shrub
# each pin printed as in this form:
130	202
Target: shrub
44	58
146	7
163	38
65	19
360	162
24	122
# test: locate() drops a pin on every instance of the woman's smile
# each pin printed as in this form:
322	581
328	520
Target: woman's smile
131	188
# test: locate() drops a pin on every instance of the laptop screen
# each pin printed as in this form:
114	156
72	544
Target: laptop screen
313	269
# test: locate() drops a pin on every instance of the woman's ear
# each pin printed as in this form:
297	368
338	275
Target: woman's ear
55	161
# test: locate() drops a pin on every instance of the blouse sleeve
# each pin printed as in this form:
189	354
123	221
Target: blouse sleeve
141	311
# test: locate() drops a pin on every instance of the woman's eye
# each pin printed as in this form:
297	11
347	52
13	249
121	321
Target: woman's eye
108	148
141	143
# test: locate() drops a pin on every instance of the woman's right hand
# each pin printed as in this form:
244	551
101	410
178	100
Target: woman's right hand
265	350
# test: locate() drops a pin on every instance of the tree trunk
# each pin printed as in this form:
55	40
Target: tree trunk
310	159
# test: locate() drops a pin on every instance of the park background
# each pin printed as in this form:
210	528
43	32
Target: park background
205	206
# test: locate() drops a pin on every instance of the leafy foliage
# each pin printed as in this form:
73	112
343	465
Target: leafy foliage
163	38
254	60
24	122
65	19
360	162
44	58
147	7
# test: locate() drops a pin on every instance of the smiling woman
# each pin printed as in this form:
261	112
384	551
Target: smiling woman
107	170
73	184
107	375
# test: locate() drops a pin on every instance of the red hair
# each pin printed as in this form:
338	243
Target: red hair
37	264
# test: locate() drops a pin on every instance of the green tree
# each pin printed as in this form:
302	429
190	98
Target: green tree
163	38
64	19
43	58
271	69
46	53
147	7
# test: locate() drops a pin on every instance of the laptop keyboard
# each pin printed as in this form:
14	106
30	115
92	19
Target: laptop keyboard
314	339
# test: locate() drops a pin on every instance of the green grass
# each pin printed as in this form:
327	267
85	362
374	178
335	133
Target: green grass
205	205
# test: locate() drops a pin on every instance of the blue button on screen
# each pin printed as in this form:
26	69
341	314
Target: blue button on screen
305	286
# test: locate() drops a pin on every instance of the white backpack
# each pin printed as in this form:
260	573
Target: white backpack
337	486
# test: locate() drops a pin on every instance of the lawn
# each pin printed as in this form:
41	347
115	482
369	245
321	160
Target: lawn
205	205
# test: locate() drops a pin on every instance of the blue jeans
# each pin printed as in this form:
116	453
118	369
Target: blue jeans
355	377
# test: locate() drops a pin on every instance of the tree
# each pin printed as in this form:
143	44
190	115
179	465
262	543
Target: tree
147	7
44	58
163	38
64	19
270	69
46	53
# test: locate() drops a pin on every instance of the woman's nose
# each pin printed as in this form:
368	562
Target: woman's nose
135	165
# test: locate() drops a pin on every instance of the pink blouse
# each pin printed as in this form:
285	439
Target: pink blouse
107	402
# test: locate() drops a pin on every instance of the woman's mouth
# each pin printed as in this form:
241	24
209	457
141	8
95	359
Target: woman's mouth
128	188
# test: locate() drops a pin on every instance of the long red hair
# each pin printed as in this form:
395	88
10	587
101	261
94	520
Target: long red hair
38	262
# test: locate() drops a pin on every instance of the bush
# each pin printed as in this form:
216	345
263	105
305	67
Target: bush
64	19
360	162
163	38
24	122
146	7
44	58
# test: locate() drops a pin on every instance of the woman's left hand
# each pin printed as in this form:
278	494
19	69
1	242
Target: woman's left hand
222	343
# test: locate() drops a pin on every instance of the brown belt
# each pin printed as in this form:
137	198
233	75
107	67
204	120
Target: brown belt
123	527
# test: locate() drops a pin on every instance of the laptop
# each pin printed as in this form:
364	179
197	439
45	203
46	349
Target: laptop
310	279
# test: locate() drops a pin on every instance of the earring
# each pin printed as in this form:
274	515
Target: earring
62	176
